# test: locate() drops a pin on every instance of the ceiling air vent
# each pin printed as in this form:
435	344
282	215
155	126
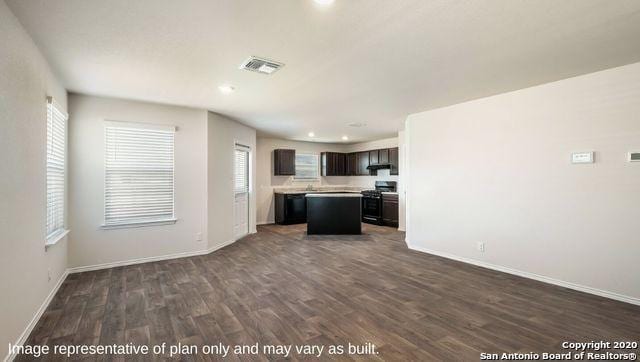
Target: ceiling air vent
261	65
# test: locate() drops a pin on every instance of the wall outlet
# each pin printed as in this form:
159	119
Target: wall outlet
481	247
199	237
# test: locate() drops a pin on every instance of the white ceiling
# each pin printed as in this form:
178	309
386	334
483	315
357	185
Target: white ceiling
370	61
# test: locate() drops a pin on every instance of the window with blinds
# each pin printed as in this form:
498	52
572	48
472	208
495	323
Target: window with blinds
56	154
139	174
306	166
241	183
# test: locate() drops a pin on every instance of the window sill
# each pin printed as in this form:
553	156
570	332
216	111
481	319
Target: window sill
53	240
138	224
306	179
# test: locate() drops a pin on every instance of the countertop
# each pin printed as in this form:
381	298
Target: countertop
291	192
327	194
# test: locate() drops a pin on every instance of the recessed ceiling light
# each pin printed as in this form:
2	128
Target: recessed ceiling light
345	138
324	2
311	134
226	89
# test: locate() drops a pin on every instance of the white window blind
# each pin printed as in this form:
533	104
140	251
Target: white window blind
139	173
56	150
241	184
306	166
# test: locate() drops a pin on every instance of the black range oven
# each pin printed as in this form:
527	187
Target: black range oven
372	201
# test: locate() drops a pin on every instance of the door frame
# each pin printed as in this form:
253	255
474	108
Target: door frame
242	147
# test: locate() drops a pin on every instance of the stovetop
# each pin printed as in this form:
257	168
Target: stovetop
372	192
381	186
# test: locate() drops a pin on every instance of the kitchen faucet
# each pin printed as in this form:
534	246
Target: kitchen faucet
309	187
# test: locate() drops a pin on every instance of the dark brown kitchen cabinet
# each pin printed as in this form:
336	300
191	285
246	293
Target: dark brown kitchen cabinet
352	164
284	162
333	164
340	160
373	157
393	160
383	156
363	163
390	207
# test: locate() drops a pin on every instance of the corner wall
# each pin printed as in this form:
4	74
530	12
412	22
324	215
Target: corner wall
28	272
91	245
222	134
497	170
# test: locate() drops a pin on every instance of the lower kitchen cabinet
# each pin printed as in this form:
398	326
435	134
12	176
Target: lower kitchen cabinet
390	207
291	209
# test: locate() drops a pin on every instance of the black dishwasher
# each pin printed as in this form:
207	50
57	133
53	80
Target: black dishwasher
291	208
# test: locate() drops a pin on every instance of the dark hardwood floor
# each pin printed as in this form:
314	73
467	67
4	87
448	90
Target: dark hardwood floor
280	286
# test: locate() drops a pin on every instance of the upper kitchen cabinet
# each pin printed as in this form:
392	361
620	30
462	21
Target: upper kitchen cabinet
383	156
363	163
393	160
333	164
351	164
373	157
284	162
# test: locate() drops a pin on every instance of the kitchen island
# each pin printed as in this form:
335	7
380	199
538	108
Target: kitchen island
334	213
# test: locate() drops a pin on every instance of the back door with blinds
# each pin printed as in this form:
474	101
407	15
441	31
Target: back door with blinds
241	191
139	174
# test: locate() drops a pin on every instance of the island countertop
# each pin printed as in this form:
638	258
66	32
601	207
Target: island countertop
297	192
333	195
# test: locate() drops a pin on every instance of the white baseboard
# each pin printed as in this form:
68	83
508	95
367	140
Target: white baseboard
264	222
540	278
34	321
220	246
80	269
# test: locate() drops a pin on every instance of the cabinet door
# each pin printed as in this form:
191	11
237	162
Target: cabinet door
383	156
333	164
341	166
373	157
393	160
390	209
352	164
363	163
284	162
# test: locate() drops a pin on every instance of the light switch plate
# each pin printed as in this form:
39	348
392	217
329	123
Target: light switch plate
582	157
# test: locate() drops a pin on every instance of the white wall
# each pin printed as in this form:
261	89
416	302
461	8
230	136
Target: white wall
91	245
25	82
222	134
497	170
266	181
402	168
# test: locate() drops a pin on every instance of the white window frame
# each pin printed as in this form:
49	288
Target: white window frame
308	179
56	139
115	224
